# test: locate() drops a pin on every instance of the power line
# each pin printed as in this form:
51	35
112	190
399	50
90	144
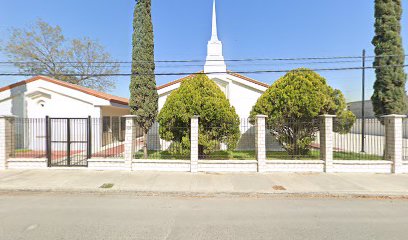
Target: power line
200	65
200	61
187	73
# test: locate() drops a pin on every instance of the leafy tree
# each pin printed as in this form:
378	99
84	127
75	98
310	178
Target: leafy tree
389	88
42	49
293	105
218	123
143	94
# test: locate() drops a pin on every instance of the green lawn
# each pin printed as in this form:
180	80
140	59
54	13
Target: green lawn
250	155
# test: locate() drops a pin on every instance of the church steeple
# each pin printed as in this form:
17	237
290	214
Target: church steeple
214	35
215	60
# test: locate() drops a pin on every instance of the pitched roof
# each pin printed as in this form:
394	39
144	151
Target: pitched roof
178	80
248	79
102	95
202	72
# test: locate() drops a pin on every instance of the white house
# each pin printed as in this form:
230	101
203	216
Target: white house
33	99
42	96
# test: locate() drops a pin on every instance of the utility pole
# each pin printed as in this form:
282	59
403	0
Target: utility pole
363	105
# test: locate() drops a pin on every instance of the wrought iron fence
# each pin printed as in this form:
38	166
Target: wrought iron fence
364	141
108	137
69	139
176	147
292	139
28	137
227	146
405	139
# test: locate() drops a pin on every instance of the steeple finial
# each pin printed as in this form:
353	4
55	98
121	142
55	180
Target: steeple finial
214	36
215	60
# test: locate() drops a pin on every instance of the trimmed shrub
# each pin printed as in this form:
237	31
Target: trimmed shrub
218	121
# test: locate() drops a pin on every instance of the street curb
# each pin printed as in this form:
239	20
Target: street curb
277	194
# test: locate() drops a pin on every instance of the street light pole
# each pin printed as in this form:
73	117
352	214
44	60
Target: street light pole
363	105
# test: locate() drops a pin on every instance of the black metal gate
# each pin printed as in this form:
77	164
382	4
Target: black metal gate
68	141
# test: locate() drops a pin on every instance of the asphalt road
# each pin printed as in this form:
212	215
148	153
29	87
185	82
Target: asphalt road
71	216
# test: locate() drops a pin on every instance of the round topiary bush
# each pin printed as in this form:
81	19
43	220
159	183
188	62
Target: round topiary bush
218	121
293	105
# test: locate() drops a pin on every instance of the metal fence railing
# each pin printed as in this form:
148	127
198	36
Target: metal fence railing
364	141
73	139
295	139
219	144
177	147
28	138
289	139
108	137
405	139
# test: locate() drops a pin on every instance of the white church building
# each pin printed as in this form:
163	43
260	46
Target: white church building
242	91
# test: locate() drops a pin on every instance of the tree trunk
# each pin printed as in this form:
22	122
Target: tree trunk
145	153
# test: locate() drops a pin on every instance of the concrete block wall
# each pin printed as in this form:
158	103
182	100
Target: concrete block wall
295	166
194	144
27	163
227	166
360	166
162	165
107	164
404	167
394	141
130	144
6	140
260	142
326	141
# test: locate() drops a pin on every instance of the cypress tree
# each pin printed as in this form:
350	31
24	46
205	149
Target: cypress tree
143	94
389	88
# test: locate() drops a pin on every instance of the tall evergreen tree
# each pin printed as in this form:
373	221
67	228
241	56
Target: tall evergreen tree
389	89
143	94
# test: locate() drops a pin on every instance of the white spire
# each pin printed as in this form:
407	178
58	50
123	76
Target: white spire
215	60
214	36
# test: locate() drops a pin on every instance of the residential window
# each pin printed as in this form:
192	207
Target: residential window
106	124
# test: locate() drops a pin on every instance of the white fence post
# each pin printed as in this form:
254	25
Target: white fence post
393	141
260	142
326	141
6	139
194	145
130	141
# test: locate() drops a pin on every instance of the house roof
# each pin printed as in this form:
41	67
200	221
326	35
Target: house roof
102	95
202	72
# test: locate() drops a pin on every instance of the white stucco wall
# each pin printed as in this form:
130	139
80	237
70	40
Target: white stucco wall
42	98
58	101
241	93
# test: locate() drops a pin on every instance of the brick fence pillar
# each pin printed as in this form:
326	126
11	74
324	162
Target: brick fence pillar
326	141
194	145
393	141
130	141
260	142
6	139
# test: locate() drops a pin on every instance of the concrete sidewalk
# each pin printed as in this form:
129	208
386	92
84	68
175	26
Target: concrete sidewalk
194	184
